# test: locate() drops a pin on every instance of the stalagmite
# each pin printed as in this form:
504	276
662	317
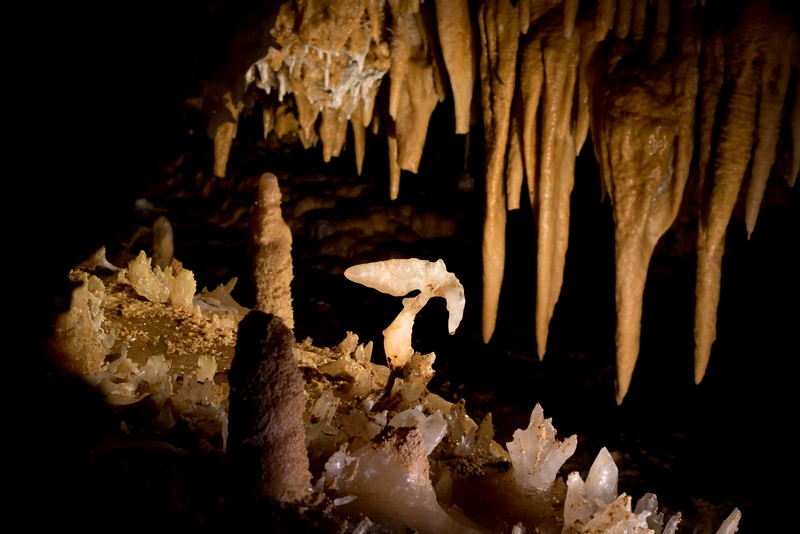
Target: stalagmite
266	435
721	189
459	49
271	249
163	243
499	32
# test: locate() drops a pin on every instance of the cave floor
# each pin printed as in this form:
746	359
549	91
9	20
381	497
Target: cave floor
691	445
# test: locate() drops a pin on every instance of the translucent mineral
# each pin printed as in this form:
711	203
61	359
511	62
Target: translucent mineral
399	277
536	454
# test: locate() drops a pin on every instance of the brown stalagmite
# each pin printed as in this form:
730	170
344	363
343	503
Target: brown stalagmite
266	435
499	33
531	73
271	249
459	49
721	190
556	177
163	243
645	122
778	54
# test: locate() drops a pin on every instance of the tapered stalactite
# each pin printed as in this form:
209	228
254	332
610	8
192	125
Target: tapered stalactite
499	32
560	58
458	41
532	79
728	167
779	53
644	125
225	133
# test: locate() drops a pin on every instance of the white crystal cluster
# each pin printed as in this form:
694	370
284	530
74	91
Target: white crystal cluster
536	455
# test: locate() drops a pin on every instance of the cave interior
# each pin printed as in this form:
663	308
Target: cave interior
122	121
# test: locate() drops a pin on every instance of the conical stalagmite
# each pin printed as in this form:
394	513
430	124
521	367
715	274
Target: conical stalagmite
266	437
271	249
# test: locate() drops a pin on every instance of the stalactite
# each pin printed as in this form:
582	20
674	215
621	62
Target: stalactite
643	117
721	189
499	31
550	72
459	48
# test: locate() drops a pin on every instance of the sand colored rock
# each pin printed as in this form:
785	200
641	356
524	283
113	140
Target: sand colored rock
271	249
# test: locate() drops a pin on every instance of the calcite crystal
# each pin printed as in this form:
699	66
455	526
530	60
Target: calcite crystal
400	277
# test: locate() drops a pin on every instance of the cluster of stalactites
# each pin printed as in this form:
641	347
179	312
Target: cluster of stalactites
324	68
637	72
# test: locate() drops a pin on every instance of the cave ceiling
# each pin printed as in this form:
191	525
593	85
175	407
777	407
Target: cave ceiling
691	108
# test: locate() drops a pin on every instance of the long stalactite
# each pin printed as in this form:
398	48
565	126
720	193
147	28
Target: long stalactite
679	96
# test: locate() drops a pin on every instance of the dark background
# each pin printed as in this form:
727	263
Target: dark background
100	108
